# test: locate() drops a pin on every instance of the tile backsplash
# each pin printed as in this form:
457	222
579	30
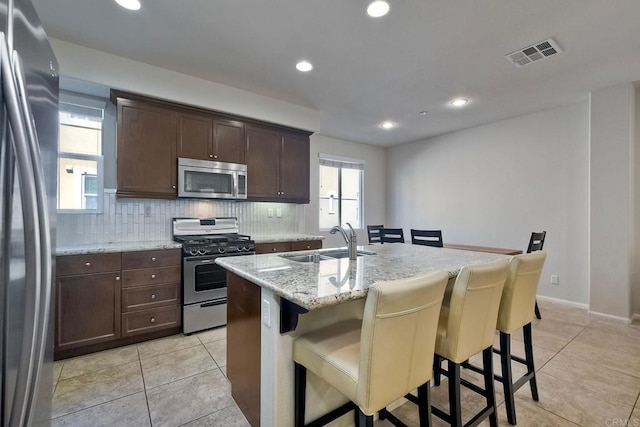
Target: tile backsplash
129	220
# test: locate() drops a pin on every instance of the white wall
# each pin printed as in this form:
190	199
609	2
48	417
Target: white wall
636	192
611	199
494	184
375	185
120	73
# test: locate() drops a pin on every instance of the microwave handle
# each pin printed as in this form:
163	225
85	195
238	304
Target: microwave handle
237	176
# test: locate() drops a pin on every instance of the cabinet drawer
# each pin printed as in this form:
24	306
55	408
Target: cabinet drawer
265	248
70	265
150	276
306	245
148	259
144	297
140	322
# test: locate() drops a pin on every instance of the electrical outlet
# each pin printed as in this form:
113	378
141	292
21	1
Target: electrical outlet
266	313
555	279
147	210
270	214
279	212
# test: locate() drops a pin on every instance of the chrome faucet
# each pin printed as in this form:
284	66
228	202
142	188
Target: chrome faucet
351	240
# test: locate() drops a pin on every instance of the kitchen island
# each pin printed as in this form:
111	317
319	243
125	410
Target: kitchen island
274	298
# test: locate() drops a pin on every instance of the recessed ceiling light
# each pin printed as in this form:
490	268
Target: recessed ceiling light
304	66
459	102
388	125
423	113
129	4
378	8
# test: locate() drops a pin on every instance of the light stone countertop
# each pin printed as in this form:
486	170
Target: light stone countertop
96	248
331	281
289	237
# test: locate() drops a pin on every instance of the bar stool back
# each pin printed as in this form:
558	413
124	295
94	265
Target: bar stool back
374	233
536	243
516	311
392	235
427	237
380	359
467	328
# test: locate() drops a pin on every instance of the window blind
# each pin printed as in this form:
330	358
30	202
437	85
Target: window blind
345	164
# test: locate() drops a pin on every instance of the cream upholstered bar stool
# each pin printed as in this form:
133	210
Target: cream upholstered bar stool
466	328
379	359
517	311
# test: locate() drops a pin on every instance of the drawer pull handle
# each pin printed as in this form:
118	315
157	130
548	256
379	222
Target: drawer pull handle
153	296
153	320
118	278
273	249
308	246
87	264
153	258
153	276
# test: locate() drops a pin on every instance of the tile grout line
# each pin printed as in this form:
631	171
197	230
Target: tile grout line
184	378
204	416
144	386
55	387
93	406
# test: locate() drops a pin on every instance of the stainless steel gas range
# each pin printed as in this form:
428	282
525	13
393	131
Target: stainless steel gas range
204	283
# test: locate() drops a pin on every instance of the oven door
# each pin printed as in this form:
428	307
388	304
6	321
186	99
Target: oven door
203	279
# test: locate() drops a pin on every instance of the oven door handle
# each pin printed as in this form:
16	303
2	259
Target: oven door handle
220	301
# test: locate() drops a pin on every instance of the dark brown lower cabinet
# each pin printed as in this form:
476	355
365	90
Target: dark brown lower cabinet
113	299
87	309
243	345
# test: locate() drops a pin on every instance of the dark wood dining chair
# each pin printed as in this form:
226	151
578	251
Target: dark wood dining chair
536	242
427	237
374	232
392	235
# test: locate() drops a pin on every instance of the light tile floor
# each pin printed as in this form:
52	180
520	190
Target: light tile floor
588	374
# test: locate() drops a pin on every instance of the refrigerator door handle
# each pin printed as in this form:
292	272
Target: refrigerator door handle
45	236
31	224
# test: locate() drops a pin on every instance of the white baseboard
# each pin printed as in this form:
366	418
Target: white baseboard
635	316
611	317
563	302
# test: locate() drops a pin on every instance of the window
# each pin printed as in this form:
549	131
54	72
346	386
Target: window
80	176
340	192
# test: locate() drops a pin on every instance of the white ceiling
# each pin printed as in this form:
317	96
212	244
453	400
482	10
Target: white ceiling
418	57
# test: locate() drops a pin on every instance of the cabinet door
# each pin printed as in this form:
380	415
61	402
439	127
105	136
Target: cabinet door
294	168
228	141
146	157
262	163
195	136
87	310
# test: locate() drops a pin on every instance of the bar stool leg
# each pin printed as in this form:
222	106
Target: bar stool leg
437	369
424	404
507	377
528	351
537	310
364	420
455	408
300	391
487	363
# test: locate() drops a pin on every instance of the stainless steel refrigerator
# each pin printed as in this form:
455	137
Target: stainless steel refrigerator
28	181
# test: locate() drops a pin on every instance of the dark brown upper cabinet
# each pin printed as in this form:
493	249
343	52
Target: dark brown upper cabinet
153	133
146	151
277	165
228	141
207	137
195	136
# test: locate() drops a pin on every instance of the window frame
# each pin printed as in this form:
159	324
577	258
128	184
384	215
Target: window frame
341	163
98	104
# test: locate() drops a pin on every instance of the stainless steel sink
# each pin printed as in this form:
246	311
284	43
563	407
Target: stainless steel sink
323	255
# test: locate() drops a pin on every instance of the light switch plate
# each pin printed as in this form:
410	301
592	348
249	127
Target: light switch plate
555	279
270	214
279	212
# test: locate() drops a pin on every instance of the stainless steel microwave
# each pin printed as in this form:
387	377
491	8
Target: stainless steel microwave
205	179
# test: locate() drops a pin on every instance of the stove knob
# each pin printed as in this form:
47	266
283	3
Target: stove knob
193	252
202	251
221	250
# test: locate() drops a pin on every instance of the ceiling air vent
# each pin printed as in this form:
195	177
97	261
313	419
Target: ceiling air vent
533	53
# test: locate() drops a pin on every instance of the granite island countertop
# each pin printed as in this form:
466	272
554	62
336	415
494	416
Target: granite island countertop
331	281
97	248
284	237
